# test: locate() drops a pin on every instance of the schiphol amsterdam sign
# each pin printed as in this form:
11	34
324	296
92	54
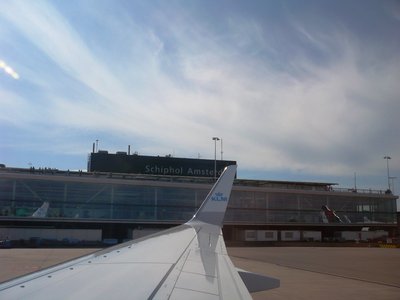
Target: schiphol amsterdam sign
156	165
180	171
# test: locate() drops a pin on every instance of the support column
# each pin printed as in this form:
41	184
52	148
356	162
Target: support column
112	203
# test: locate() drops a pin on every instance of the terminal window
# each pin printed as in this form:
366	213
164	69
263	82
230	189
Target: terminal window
251	234
269	234
289	235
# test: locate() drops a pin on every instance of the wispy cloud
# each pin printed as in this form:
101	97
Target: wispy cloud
291	97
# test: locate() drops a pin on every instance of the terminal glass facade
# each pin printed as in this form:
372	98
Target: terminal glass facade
142	201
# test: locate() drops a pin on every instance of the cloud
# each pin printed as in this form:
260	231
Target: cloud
291	97
320	118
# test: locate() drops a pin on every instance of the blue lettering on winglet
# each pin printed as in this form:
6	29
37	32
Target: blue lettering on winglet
219	197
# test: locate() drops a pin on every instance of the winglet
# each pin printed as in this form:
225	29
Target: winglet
212	210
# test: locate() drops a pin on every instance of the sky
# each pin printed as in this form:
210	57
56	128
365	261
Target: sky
296	90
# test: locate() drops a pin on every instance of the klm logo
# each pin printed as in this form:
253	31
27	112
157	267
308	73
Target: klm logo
219	197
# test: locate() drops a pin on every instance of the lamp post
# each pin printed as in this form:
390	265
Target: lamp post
387	165
215	139
222	151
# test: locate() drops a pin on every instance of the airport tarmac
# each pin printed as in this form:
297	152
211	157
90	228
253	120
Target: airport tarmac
324	273
304	272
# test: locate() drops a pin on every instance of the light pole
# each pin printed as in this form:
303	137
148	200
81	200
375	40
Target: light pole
387	165
222	151
215	139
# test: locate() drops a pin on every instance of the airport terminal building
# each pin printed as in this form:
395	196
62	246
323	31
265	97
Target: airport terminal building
122	196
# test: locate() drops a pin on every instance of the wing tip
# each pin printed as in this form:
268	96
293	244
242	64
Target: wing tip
213	208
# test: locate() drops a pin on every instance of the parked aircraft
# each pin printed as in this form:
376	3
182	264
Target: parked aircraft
186	262
41	212
329	215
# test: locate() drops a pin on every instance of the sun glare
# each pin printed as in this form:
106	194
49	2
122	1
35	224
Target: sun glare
8	70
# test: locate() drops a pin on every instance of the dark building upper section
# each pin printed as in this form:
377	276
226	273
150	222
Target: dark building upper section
121	162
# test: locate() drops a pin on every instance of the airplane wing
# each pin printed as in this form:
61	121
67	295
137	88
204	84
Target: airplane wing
186	262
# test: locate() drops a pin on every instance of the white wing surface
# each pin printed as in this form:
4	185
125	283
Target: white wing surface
186	262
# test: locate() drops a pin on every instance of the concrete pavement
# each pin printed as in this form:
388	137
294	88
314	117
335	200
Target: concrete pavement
304	272
324	273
